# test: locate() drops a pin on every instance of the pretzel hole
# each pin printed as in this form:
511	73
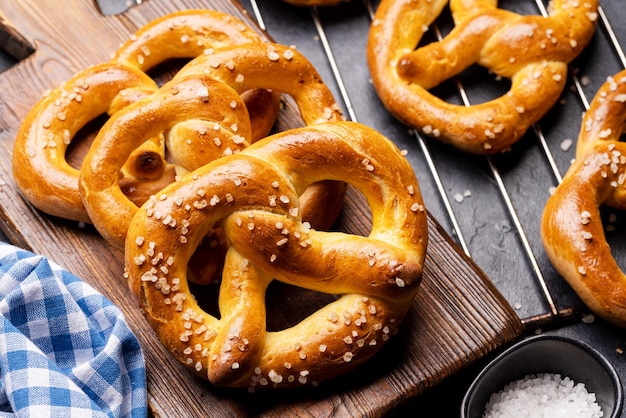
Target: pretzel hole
165	71
355	218
614	223
481	85
147	165
78	147
288	116
288	305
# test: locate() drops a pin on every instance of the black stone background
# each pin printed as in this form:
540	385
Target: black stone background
483	218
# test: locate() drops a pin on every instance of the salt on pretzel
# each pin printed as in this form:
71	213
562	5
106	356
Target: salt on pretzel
193	32
531	51
253	196
571	228
40	168
205	91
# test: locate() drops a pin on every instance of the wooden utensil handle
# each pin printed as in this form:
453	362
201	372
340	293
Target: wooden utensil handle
12	42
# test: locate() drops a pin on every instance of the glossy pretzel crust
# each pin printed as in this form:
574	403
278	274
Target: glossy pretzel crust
253	196
532	51
571	229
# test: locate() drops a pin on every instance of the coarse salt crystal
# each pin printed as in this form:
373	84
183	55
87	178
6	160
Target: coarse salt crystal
543	395
566	144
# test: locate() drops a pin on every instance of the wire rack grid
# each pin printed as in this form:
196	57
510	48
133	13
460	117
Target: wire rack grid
490	205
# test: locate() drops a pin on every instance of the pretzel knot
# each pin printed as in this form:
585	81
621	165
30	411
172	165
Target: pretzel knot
571	228
253	196
532	51
205	94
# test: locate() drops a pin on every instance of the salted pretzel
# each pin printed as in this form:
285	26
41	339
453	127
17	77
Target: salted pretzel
253	196
205	91
532	51
40	168
571	229
189	33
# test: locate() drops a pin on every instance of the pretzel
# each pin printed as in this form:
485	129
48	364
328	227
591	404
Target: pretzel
532	51
205	91
193	32
253	196
40	167
39	164
571	228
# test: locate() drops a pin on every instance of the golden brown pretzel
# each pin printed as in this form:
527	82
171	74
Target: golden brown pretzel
571	228
253	196
39	162
532	51
40	167
193	32
206	91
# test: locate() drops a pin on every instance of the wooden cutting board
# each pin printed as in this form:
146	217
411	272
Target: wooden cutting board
457	318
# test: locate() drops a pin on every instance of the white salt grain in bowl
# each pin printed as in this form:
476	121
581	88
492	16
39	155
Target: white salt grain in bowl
543	395
545	376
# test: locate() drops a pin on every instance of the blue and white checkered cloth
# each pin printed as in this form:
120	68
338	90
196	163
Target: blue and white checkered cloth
65	350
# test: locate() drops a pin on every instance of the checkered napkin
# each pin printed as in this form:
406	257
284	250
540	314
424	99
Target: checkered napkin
65	350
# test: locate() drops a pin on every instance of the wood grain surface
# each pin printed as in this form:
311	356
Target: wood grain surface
457	318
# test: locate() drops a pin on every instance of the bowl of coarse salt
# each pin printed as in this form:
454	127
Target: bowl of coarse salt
546	376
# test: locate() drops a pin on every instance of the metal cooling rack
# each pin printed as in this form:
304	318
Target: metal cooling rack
490	205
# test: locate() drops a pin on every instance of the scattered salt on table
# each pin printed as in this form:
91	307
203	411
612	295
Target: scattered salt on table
543	395
566	144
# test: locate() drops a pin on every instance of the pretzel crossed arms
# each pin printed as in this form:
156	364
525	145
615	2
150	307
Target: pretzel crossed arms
571	229
531	51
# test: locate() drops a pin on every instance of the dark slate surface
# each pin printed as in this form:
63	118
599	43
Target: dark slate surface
485	224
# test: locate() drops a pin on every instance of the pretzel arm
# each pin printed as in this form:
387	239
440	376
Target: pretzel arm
240	340
183	34
384	269
605	120
436	62
479	128
573	235
244	68
333	340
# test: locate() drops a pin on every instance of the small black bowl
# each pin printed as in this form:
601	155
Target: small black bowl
547	354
